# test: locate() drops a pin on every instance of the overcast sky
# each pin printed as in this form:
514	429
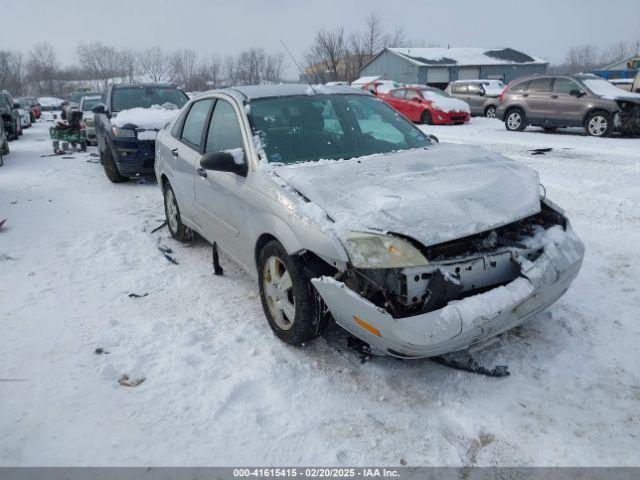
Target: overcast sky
542	28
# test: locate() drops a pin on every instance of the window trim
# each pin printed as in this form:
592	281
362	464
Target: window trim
197	148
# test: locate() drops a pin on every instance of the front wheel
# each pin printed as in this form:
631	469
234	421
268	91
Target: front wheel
425	118
515	120
599	124
110	169
287	296
172	214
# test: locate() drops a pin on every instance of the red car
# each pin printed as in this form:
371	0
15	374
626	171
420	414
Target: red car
428	105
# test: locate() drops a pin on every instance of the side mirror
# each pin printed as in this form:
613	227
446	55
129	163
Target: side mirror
416	99
433	138
577	93
99	108
226	161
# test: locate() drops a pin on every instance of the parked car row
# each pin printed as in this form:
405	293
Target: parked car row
10	114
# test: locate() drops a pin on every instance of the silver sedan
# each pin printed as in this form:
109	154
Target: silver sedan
342	208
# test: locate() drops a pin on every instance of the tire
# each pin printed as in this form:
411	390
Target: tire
515	120
598	124
285	291
110	169
172	214
5	148
425	118
490	111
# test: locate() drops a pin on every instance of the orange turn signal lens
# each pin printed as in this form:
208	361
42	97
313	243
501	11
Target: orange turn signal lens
362	324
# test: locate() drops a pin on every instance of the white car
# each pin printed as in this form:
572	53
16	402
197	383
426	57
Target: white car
25	114
86	104
336	203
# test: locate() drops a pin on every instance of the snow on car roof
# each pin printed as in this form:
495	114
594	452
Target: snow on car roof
464	56
284	90
366	80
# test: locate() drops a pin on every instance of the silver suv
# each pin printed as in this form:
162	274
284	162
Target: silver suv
336	204
569	101
481	95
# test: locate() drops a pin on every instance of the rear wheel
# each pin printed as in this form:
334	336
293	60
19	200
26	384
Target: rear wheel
598	124
172	214
110	169
287	296
515	120
425	118
490	111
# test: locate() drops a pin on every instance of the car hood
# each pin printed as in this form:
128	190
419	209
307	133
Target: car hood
432	195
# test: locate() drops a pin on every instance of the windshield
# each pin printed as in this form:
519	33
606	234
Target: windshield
146	97
313	127
89	102
75	97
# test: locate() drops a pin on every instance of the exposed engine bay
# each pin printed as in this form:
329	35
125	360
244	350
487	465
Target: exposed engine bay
456	269
628	117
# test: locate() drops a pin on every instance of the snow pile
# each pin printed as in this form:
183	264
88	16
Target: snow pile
444	103
237	154
608	91
146	120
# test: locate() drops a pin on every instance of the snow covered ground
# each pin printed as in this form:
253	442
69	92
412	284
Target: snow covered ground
220	389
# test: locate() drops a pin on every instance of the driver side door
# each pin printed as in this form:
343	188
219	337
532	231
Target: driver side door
219	196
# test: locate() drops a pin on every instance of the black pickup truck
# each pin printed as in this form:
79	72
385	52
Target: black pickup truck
128	149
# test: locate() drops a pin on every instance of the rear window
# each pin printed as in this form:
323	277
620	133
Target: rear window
146	97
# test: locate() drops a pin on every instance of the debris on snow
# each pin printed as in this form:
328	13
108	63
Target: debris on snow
125	381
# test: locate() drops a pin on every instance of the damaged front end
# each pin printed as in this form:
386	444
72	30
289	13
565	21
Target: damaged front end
464	291
627	120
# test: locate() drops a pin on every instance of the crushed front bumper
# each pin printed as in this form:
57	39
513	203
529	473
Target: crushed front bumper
462	322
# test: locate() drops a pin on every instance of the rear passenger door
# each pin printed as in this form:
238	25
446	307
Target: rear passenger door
538	100
185	152
475	98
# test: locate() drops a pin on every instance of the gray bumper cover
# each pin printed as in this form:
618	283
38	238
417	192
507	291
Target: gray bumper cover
462	322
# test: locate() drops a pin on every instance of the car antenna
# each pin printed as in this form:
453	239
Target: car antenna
298	65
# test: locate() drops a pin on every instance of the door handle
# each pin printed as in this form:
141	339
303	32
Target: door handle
554	96
202	172
174	152
525	94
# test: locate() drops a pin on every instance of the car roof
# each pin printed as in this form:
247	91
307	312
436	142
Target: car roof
479	80
285	90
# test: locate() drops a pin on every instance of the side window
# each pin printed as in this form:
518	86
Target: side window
411	94
459	88
564	85
540	85
224	129
475	89
398	94
194	123
176	131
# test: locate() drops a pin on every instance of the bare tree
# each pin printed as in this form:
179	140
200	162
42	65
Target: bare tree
373	38
327	52
184	68
154	64
581	58
127	65
41	66
100	61
616	52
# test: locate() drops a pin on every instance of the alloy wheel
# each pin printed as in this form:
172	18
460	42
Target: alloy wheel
597	125
514	120
172	209
491	112
278	292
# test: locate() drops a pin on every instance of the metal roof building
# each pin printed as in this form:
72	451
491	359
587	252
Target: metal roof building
439	66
